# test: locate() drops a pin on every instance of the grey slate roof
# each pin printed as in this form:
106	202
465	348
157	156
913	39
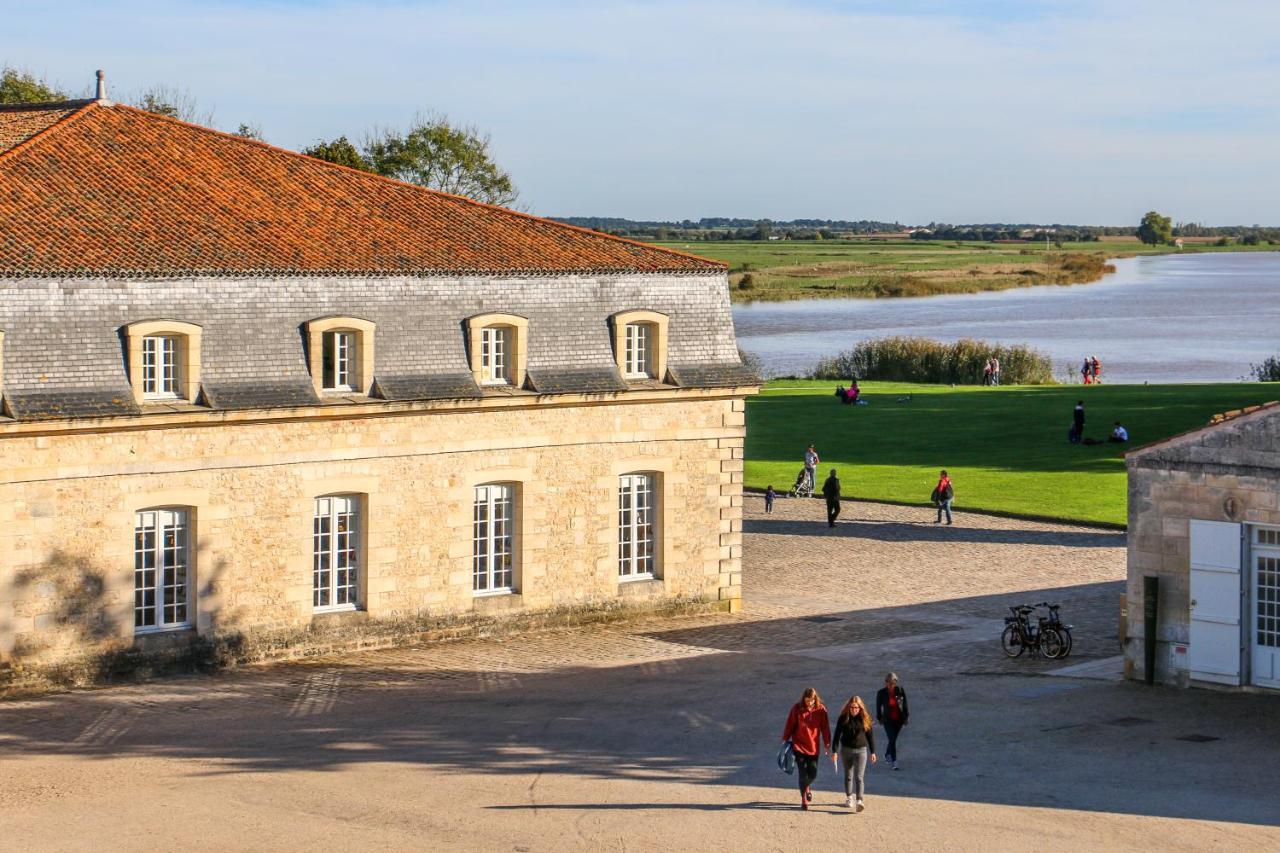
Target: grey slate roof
64	350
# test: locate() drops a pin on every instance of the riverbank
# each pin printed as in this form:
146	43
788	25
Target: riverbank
1006	448
866	269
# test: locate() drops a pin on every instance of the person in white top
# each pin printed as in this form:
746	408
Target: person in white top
1119	434
810	464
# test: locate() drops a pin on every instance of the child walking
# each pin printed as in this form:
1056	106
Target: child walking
769	495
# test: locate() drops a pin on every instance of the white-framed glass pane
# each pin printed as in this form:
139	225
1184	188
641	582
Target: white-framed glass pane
638	346
338	361
492	538
335	552
161	569
636	534
160	370
495	349
1267	601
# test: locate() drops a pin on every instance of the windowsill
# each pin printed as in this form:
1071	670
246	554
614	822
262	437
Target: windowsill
153	630
336	608
641	586
635	578
492	593
490	602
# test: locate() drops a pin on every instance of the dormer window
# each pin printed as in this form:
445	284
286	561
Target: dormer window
499	349
640	344
341	355
164	361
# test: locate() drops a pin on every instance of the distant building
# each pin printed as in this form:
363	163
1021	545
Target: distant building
256	404
1204	520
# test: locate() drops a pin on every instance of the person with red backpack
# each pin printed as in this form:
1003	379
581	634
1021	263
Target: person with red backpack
942	495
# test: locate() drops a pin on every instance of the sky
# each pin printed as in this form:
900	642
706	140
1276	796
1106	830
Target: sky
914	111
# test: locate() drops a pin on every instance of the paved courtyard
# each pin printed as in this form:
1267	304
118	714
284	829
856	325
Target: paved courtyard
660	735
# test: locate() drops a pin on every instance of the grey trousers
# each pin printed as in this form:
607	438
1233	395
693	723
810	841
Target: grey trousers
855	768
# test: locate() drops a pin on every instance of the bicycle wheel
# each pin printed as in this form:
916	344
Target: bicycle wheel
1052	645
1066	638
1010	641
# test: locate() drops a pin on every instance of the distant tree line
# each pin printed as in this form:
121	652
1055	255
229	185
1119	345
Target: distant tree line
726	228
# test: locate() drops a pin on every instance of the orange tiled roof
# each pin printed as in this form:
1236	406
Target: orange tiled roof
112	190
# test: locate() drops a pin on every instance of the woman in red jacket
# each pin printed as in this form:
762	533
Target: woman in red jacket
807	725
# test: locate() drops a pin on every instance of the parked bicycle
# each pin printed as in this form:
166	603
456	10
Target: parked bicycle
1054	623
1020	634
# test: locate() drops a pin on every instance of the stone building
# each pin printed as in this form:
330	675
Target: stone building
1204	520
255	404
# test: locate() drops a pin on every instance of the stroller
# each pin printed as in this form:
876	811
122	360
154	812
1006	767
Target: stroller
802	489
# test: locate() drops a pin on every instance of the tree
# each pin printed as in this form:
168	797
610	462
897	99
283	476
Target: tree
438	154
23	87
250	131
1155	229
173	102
339	151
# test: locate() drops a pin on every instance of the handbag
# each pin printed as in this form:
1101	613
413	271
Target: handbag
787	759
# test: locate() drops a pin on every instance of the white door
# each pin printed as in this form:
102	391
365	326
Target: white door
1214	651
1264	608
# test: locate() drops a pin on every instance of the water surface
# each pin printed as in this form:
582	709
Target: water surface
1168	318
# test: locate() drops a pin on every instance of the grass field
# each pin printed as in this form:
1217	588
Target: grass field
1006	448
863	268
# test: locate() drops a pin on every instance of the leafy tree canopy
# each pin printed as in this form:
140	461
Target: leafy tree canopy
339	151
1155	229
174	102
23	87
438	154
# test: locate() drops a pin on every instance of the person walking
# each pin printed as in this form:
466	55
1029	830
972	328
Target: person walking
892	713
942	495
769	495
1096	369
807	727
995	370
831	491
811	461
1077	421
854	742
1086	370
987	373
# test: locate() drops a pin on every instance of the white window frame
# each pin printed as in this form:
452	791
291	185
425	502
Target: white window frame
493	539
162	567
339	361
638	526
495	355
161	367
337	556
638	352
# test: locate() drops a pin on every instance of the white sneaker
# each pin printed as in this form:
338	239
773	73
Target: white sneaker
860	805
848	802
895	766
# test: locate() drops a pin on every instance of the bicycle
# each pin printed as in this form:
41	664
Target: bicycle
1054	623
1020	634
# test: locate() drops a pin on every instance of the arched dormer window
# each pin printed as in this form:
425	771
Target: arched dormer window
499	349
640	344
164	361
340	355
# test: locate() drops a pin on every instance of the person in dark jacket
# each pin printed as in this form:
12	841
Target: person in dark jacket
1077	422
892	713
831	491
943	494
854	741
807	727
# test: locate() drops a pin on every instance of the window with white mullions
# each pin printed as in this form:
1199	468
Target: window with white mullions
160	372
335	548
636	539
495	348
492	539
161	570
339	361
639	344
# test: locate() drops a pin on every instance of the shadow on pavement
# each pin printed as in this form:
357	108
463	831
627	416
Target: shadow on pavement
925	531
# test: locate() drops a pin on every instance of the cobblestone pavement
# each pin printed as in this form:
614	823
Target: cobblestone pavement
659	734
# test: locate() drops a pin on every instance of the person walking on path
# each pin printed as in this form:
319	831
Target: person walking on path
854	741
942	495
811	461
831	491
769	495
1086	370
995	370
1077	421
1095	368
892	713
807	727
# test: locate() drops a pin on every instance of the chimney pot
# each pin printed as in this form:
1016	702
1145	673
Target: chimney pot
102	85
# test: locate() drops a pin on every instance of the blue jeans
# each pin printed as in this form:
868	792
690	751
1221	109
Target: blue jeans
944	506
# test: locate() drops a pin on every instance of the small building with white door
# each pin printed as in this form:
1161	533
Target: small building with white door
1204	520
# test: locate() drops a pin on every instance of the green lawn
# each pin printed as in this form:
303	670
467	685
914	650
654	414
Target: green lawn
1005	448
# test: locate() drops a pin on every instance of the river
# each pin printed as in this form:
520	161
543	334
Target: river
1167	318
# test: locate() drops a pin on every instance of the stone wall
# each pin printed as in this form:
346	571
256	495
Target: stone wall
67	504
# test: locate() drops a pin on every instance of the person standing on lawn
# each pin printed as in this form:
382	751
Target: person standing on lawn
1077	421
995	370
854	741
1086	370
942	495
807	725
831	491
892	713
811	461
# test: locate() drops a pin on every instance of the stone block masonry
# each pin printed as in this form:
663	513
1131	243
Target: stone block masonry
68	501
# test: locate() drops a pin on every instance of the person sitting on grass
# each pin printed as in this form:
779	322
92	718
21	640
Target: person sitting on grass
1119	435
851	396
